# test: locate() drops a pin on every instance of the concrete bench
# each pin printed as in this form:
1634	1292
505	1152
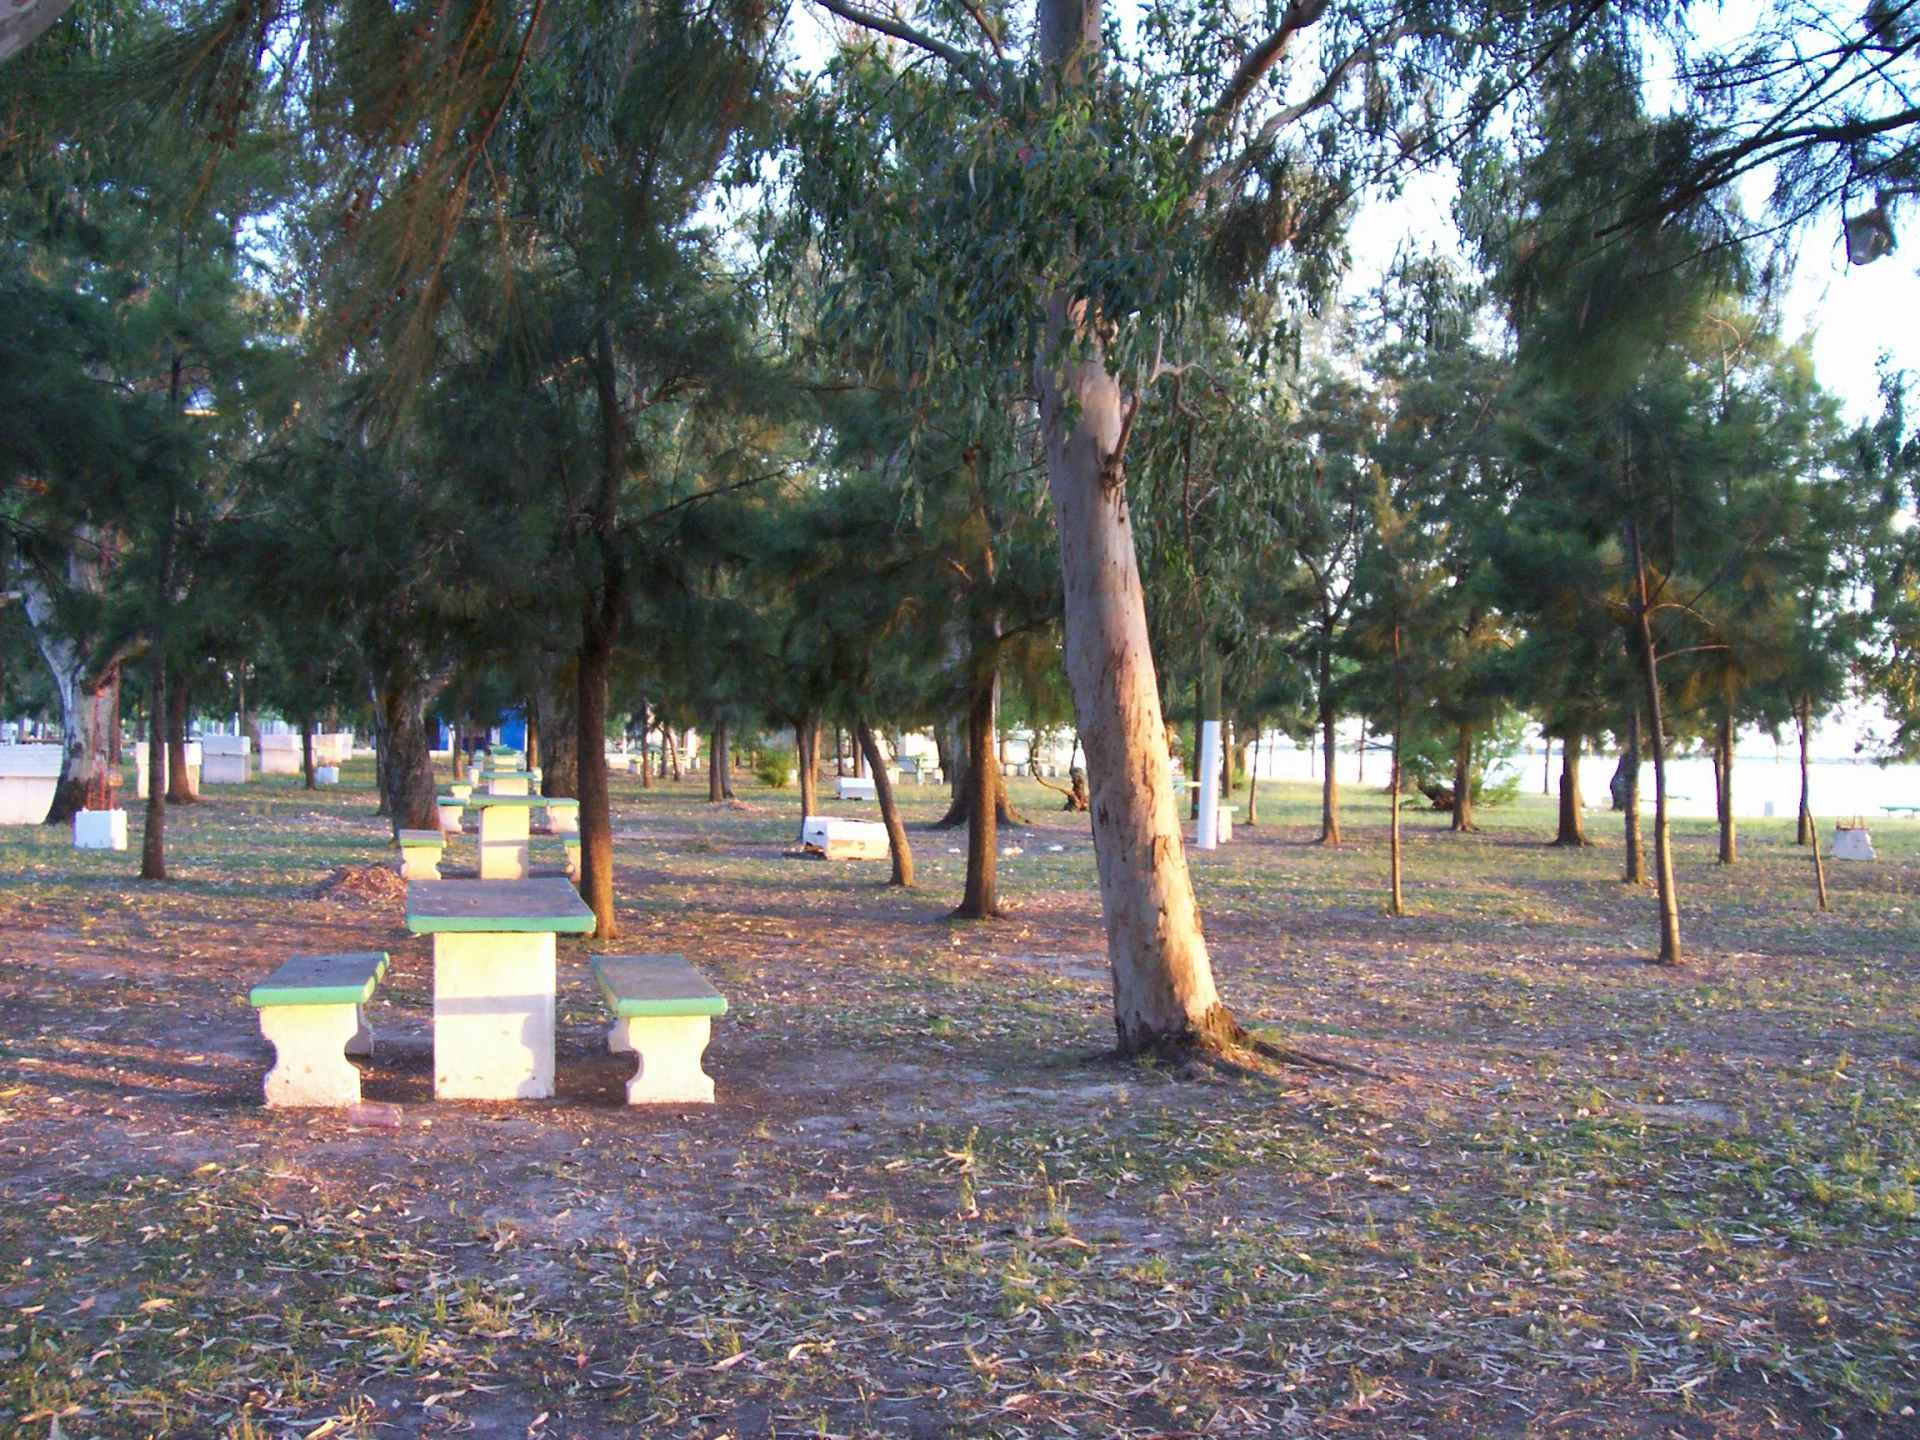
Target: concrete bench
420	853
849	787
844	839
310	1009
663	1013
572	842
450	812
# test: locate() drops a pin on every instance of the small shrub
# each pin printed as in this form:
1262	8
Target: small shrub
775	768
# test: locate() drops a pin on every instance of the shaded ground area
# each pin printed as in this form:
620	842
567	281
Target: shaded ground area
1584	1198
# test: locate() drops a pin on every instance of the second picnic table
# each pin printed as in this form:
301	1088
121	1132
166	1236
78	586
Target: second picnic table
493	981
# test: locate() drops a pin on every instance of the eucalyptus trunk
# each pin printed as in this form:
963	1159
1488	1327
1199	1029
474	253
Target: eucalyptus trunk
897	845
1163	988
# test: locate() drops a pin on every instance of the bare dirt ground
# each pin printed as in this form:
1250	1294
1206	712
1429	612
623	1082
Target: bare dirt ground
1575	1196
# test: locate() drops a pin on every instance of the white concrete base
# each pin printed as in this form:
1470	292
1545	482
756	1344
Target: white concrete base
573	861
849	787
326	774
563	819
362	1041
509	784
450	817
503	842
420	862
669	1048
1852	843
845	839
310	1064
493	1016
100	830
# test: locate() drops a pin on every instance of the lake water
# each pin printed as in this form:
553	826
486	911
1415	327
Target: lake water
1840	789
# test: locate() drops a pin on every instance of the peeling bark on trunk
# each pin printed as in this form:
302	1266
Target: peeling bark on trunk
1573	822
1462	780
897	845
86	683
1163	988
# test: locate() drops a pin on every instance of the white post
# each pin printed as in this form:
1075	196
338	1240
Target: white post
1208	779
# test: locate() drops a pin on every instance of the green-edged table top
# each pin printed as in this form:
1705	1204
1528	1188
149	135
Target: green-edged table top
638	986
530	802
346	979
437	907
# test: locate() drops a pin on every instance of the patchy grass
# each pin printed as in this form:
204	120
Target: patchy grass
1585	1197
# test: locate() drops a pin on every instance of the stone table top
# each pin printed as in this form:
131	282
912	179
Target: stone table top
525	906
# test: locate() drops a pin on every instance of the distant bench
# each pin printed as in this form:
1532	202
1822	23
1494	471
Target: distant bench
420	853
310	1009
663	1013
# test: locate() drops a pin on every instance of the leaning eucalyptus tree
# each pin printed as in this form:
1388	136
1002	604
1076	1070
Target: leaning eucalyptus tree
1039	227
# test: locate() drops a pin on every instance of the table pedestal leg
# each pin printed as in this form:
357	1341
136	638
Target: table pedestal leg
493	1016
503	842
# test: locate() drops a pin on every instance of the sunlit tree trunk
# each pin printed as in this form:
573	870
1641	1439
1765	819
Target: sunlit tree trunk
1803	833
897	846
590	761
1163	988
180	787
1723	797
1636	871
1573	822
1462	780
153	844
1329	720
806	756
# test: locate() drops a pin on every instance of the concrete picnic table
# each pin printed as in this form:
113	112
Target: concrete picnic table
493	981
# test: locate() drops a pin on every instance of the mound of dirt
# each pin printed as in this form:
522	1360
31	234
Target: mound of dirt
361	882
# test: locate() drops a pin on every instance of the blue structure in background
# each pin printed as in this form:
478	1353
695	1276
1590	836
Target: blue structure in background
512	729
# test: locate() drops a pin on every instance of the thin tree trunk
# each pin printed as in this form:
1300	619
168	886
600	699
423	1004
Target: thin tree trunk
533	734
806	756
1806	804
1163	987
672	750
719	763
180	787
1360	755
1729	841
306	752
1804	834
1463	780
153	844
897	845
1330	785
981	899
590	762
1670	953
1636	871
1573	821
1395	901
1253	783
646	751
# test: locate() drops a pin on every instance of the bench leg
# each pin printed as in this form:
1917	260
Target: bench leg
310	1064
362	1041
420	863
493	1007
669	1048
